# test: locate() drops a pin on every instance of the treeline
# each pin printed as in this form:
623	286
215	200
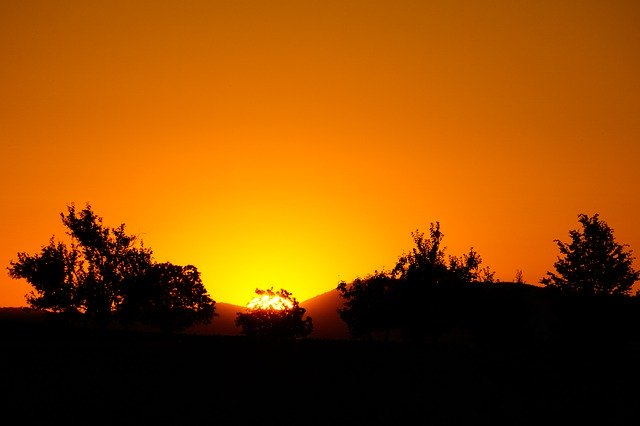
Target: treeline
105	275
429	295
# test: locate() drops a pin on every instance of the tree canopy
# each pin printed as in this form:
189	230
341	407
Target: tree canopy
105	274
405	297
593	262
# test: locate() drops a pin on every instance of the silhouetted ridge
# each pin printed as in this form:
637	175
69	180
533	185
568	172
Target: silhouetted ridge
324	311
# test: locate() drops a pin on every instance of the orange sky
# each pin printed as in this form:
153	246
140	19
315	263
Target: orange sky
297	144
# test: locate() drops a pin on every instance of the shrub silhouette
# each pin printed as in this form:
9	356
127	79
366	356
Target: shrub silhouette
406	298
593	262
104	274
280	319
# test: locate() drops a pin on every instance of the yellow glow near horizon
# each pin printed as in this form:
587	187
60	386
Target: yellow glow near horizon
300	143
270	302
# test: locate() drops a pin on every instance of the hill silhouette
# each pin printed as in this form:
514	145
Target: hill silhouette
321	308
223	324
21	314
326	321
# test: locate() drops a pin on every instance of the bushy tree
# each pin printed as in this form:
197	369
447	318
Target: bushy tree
168	296
276	315
371	304
592	262
426	262
105	274
407	297
55	274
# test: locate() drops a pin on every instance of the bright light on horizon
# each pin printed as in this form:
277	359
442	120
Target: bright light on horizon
303	142
273	302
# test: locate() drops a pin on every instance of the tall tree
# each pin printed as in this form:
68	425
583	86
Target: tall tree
105	274
593	262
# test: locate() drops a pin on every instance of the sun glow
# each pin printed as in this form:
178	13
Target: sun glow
270	301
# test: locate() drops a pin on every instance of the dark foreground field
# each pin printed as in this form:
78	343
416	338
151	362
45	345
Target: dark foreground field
53	375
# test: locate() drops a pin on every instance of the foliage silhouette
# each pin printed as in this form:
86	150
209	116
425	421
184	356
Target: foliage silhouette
371	304
104	274
406	297
593	263
275	322
426	262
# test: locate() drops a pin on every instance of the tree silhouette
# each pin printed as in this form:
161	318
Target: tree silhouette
277	315
105	274
371	304
593	262
518	278
408	297
168	296
426	262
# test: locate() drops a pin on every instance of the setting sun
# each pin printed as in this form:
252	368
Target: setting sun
300	143
175	172
270	301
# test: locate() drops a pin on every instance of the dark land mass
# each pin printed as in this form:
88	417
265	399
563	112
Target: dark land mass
223	324
322	309
516	357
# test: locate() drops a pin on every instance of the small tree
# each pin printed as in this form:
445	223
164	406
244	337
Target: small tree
105	273
518	279
593	262
275	315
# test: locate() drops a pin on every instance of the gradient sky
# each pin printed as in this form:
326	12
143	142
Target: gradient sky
295	144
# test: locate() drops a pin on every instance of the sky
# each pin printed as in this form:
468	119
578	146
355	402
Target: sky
296	144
